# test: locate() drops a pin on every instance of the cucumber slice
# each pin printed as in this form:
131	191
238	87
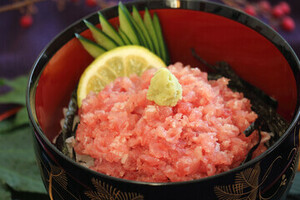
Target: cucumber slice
150	28
127	26
110	30
141	35
101	38
139	31
160	37
91	47
139	21
124	37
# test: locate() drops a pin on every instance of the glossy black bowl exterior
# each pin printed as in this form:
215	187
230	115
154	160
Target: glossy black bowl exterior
266	177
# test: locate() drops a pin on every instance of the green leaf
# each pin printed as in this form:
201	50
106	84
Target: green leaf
18	167
18	90
20	119
7	125
4	192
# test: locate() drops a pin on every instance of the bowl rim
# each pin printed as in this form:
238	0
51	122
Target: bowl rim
205	6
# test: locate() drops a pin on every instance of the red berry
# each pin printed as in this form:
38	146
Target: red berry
250	10
26	21
91	3
265	6
277	12
287	24
285	7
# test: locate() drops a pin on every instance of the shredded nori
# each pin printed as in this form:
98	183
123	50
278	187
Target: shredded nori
67	129
254	126
250	153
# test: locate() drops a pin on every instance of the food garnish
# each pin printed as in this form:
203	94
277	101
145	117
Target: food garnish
119	62
134	30
164	89
91	47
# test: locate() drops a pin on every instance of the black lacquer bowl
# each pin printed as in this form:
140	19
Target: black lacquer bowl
217	33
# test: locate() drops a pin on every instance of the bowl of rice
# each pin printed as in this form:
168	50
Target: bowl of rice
231	134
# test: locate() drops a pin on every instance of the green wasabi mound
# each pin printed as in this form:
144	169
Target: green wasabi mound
164	89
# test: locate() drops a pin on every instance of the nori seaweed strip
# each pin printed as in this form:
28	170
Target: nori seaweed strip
259	123
254	126
67	129
211	76
272	121
73	152
250	153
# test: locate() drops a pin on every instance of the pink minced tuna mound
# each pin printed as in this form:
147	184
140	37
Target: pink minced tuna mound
131	137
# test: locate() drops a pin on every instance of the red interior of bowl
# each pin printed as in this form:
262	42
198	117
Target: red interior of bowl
214	38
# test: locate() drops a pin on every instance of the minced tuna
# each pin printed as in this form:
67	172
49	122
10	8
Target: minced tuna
132	138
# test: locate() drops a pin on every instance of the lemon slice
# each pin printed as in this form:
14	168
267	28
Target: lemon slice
118	62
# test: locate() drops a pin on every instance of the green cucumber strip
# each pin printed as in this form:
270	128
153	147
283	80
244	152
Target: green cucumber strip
139	21
161	42
150	28
140	34
91	47
110	30
100	37
127	26
124	37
